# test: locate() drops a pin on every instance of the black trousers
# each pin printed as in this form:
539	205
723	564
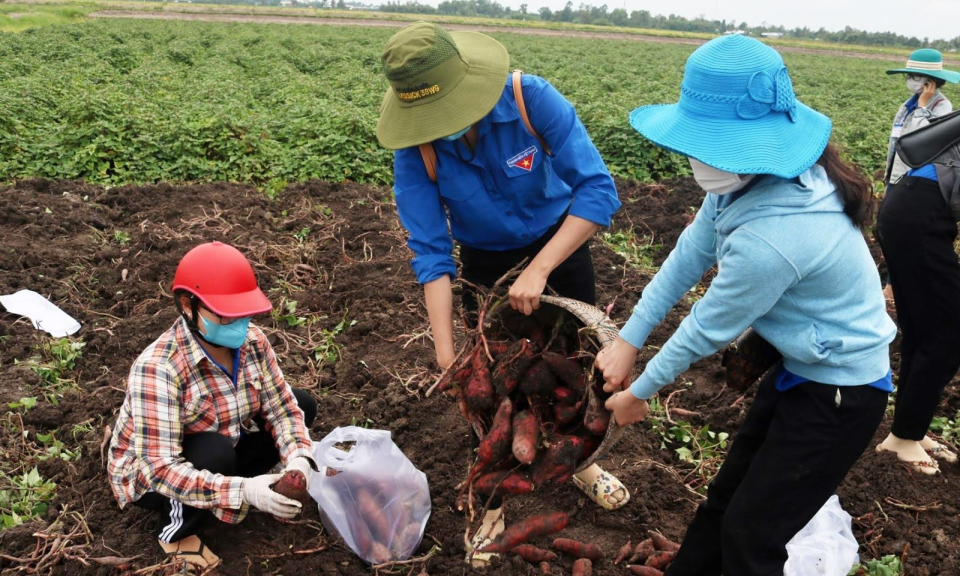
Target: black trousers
254	454
792	451
573	278
917	232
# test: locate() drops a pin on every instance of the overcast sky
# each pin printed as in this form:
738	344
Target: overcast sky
932	18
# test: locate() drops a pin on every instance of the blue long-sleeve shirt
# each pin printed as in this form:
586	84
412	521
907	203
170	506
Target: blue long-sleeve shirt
509	192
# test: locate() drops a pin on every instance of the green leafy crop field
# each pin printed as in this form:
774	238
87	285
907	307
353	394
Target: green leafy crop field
144	101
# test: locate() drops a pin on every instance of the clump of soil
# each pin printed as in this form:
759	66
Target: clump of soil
106	256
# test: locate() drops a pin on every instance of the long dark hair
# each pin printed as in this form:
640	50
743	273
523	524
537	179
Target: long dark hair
854	188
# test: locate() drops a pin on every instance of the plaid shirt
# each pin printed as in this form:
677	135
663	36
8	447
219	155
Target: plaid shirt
175	389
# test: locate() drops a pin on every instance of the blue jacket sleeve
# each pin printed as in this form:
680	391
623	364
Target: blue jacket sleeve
752	278
693	255
423	216
575	159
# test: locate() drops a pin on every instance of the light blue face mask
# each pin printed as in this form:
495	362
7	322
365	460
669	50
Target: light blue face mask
229	335
454	137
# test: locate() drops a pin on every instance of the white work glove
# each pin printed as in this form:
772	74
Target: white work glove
257	493
300	464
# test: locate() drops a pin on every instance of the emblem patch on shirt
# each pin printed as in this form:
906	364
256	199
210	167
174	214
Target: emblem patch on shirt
523	160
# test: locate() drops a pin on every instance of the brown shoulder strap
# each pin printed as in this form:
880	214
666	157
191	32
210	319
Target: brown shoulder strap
429	160
522	107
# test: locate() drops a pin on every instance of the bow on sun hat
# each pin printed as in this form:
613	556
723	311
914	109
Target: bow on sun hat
738	112
440	83
927	62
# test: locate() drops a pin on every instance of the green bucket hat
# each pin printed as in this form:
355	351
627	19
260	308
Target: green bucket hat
440	83
928	62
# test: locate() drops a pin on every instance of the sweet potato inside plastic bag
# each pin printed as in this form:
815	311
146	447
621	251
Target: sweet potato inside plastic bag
370	494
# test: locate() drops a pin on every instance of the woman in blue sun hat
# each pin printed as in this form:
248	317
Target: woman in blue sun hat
917	234
781	222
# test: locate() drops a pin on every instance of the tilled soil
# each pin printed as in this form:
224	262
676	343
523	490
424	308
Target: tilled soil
106	256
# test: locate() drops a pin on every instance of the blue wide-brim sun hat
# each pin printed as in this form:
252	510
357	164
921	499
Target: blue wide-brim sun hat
738	112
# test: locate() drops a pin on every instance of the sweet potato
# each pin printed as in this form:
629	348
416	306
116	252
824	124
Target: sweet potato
527	530
511	365
526	436
556	464
532	554
372	513
660	542
478	393
379	554
583	567
545	569
564	414
495	446
643	551
578	549
596	419
644	571
625	551
503	483
661	559
590	445
406	539
565	395
293	485
497	347
567	370
538	380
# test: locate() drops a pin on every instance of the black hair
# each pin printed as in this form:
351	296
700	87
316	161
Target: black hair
854	188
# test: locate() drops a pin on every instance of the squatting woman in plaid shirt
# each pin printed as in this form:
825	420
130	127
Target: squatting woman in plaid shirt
208	413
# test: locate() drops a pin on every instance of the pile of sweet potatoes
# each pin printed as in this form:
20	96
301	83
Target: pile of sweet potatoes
534	402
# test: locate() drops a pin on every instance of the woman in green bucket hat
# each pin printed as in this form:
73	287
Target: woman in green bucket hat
781	221
502	165
925	76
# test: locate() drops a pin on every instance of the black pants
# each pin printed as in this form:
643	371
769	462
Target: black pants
255	454
573	278
917	232
792	451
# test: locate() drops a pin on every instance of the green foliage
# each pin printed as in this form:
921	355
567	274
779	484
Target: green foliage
117	102
25	403
121	237
946	428
24	497
54	448
328	351
60	356
20	17
290	317
701	447
637	252
886	566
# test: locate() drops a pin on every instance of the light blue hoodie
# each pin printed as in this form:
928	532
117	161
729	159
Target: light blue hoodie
792	265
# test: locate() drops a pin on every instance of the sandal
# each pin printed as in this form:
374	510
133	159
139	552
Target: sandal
943	453
192	551
921	466
485	535
602	488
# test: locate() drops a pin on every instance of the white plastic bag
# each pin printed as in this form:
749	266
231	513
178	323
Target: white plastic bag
370	494
825	546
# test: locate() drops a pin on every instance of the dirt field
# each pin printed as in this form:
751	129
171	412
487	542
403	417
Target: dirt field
59	239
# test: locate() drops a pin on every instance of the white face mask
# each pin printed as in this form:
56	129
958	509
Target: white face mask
718	181
914	84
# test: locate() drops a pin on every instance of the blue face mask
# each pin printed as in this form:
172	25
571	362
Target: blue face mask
229	335
457	136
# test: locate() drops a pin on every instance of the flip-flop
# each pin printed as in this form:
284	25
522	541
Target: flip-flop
602	488
941	452
920	465
192	551
481	539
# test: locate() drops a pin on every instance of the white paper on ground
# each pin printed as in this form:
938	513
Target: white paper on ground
45	314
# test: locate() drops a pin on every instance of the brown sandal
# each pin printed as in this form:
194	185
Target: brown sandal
942	453
919	465
192	551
